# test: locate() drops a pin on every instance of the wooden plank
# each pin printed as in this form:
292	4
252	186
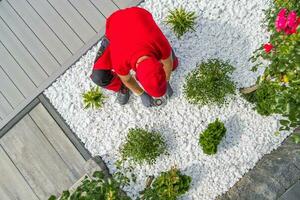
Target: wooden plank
28	38
57	24
126	3
90	13
54	76
9	90
15	72
5	107
18	117
23	57
106	7
41	29
74	19
12	184
58	139
78	144
36	159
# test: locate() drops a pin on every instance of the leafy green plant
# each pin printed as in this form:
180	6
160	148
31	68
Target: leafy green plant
296	138
93	98
209	83
281	78
95	188
168	186
143	146
212	136
181	21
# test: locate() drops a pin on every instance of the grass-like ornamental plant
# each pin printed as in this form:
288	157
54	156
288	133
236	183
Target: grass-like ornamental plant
212	136
93	98
209	83
95	188
181	21
143	146
168	186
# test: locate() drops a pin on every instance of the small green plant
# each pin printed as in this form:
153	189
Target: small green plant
95	188
142	145
168	186
93	98
209	83
212	136
181	21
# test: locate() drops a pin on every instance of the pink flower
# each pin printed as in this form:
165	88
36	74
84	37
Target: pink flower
268	47
288	24
292	19
292	23
281	20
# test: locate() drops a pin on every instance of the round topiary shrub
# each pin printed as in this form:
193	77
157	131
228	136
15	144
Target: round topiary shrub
209	83
212	136
143	146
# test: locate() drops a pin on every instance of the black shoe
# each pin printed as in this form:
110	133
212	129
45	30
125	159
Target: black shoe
123	95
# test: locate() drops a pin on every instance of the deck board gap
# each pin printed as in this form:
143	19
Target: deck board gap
12	82
39	39
6	153
115	4
50	28
47	139
6	100
19	64
98	9
67	23
83	16
24	46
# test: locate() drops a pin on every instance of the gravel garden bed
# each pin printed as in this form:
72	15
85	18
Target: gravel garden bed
226	30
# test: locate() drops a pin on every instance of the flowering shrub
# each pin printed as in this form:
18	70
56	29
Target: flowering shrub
282	75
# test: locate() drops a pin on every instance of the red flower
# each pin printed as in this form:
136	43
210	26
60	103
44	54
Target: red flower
268	47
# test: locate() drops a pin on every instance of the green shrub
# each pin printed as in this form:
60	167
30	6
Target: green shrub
265	98
209	83
212	136
95	188
142	145
181	21
283	72
168	186
93	98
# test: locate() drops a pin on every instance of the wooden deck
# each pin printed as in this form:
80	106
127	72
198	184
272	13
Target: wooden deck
37	159
40	39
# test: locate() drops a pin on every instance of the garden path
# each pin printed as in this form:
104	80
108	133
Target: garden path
275	176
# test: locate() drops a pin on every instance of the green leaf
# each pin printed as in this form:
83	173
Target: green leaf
296	138
284	122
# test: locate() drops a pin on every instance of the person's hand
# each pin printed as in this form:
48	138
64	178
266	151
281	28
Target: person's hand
169	92
147	100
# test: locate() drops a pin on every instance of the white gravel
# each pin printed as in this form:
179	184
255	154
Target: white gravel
226	29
